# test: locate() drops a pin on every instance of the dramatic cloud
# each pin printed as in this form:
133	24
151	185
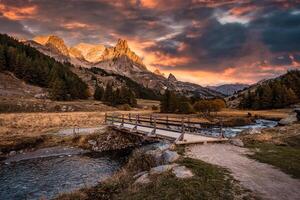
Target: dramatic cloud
203	41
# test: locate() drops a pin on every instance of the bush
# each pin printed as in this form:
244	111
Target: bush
186	108
207	106
154	107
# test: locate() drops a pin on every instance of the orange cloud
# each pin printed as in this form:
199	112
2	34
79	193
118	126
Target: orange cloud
242	10
17	13
75	25
149	3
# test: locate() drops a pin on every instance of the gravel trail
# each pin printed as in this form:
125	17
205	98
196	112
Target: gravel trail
263	179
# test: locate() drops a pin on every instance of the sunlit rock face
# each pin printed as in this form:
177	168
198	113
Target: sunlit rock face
157	72
53	42
172	78
75	53
91	53
122	50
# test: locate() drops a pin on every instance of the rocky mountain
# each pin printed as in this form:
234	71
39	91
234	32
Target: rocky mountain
157	72
172	78
91	53
229	89
118	60
55	43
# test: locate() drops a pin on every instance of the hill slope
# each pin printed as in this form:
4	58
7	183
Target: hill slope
229	89
273	93
30	65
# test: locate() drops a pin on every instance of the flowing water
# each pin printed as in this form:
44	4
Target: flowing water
234	131
48	172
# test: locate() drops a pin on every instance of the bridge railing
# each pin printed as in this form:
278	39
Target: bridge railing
182	126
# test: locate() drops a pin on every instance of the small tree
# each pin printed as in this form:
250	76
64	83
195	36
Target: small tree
99	92
186	108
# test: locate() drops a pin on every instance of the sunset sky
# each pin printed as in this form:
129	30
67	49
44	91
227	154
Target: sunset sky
202	41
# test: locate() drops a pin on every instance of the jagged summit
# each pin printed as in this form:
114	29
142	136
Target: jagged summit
172	78
53	42
122	45
122	50
157	72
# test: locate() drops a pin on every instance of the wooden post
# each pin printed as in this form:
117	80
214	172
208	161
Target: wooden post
167	122
138	116
182	125
129	117
112	119
154	129
189	124
136	122
105	118
122	124
151	120
221	130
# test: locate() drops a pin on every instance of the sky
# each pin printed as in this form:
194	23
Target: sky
209	42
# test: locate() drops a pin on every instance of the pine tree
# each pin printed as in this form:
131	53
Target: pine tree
2	58
108	94
58	90
291	96
99	93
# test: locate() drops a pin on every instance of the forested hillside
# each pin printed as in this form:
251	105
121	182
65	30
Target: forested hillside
38	69
276	93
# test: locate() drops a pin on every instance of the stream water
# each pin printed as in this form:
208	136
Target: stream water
45	173
55	170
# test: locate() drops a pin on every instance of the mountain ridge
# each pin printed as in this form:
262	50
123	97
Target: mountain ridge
118	59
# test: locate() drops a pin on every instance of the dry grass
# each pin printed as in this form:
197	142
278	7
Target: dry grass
16	126
267	114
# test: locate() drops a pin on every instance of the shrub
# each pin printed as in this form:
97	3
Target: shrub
154	107
207	106
186	108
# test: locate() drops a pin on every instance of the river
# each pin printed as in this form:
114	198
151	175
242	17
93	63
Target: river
50	171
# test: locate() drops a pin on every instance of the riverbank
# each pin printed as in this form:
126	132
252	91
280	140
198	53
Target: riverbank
200	181
278	146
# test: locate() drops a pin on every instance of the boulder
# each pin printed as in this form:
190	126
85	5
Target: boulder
297	111
164	147
139	174
169	156
236	142
92	142
12	153
144	179
157	155
292	118
162	168
182	172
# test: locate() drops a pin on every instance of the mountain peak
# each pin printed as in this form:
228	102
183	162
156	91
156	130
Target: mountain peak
122	44
53	42
157	72
172	78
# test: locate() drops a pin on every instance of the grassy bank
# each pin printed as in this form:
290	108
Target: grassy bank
286	158
208	182
278	146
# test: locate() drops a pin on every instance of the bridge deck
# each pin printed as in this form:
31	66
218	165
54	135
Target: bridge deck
187	138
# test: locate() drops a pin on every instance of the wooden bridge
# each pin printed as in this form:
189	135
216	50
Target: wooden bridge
179	131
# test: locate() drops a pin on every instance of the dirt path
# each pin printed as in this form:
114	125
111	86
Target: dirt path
267	181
